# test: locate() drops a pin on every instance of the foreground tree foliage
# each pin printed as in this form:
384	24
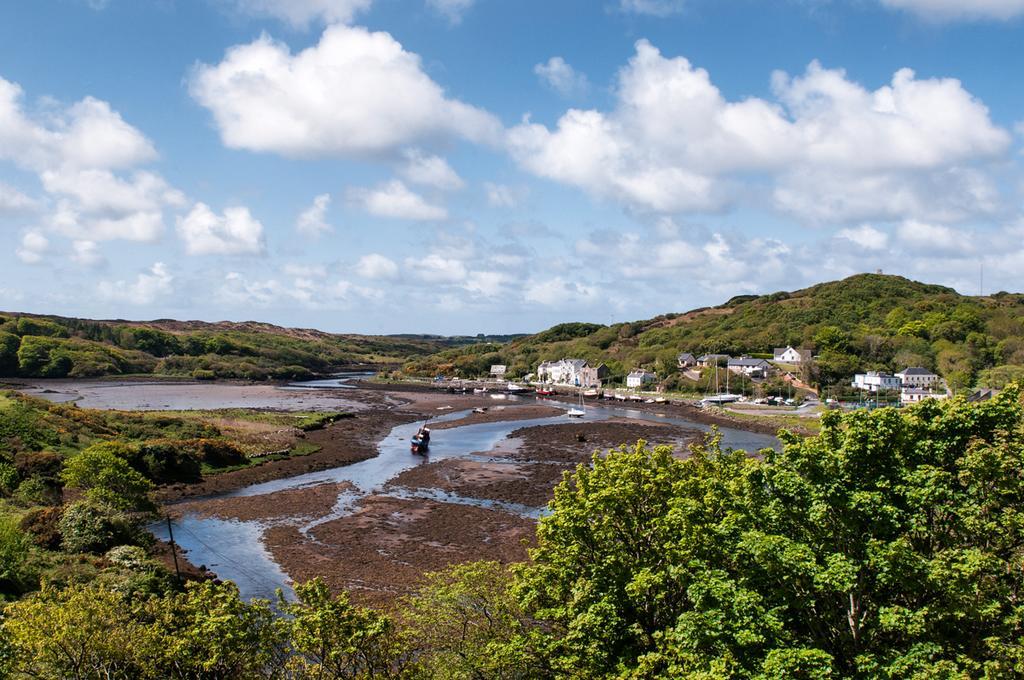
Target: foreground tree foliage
889	546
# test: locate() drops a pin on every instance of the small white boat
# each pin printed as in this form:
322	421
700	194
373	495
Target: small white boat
516	389
579	410
479	390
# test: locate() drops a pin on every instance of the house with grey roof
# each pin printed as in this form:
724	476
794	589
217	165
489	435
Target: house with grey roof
918	377
686	360
749	366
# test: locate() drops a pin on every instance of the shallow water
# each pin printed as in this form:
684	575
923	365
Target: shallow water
192	396
255	571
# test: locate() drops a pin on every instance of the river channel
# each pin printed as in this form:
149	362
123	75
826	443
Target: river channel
235	549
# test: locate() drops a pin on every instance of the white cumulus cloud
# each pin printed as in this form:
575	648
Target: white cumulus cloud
14	202
395	200
674	143
432	171
313	220
376	266
355	92
34	247
866	237
148	287
557	74
235	232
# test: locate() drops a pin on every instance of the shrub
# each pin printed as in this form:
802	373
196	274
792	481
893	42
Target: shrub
204	374
8	479
106	476
43	525
35	491
15	574
94	527
217	453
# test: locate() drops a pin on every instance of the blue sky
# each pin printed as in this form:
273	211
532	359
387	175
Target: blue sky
465	166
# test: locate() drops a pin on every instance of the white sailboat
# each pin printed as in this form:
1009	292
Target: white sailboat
580	410
719	398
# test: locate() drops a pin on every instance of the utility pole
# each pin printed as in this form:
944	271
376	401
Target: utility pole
174	549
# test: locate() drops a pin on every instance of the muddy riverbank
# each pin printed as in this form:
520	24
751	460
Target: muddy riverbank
344	442
525	468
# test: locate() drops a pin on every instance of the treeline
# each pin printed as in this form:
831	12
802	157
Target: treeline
865	322
891	545
56	347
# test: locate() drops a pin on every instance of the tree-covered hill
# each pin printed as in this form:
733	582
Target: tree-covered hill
868	321
57	347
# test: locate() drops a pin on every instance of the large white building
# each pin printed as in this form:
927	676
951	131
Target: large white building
918	377
875	381
576	372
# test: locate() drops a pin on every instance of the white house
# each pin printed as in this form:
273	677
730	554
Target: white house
570	372
712	359
686	360
789	355
498	370
755	368
637	379
875	381
918	377
913	395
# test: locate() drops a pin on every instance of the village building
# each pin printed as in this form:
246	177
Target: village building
686	360
875	381
706	360
637	379
575	372
790	355
498	370
754	368
918	377
913	395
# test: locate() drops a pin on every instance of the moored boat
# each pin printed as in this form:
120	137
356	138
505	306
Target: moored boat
420	441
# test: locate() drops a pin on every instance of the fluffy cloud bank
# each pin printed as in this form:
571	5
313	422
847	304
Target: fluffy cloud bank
236	232
85	156
673	143
356	92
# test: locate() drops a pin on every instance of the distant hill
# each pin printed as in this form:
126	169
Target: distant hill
52	346
868	321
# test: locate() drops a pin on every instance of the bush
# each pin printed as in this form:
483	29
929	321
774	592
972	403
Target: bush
107	477
217	453
204	374
94	527
9	479
35	491
165	462
41	464
15	574
43	525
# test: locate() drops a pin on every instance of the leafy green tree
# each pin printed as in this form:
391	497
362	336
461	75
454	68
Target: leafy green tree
107	477
80	632
891	545
465	623
9	344
211	633
331	638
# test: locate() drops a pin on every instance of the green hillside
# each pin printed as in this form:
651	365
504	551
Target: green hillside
58	347
868	321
